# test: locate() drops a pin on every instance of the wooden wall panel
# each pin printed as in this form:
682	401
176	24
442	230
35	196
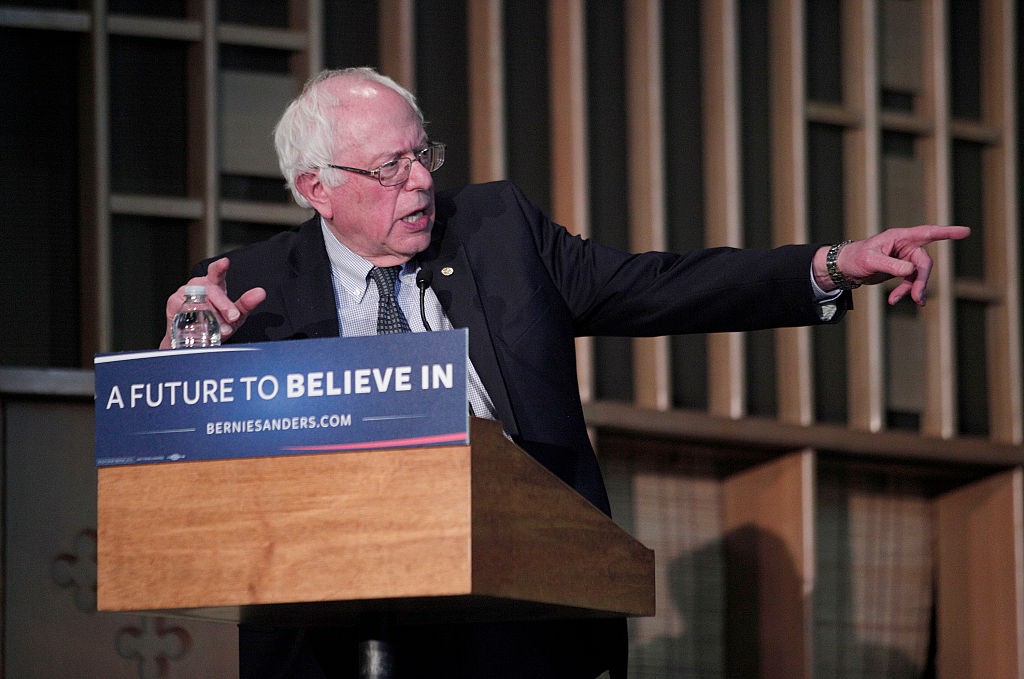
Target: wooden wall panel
980	609
769	537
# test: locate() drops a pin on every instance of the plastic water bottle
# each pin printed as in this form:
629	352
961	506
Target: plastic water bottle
195	324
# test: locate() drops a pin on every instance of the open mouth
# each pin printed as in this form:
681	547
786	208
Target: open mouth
414	217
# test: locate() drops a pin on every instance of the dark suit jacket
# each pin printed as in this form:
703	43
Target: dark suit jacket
526	289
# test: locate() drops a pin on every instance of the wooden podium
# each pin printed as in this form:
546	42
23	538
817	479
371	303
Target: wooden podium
459	533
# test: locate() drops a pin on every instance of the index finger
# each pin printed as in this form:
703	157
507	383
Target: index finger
930	234
216	272
217	294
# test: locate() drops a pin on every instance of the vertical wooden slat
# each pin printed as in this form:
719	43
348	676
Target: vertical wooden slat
769	535
397	40
203	104
307	16
646	132
789	195
864	337
570	177
568	86
940	413
97	287
979	580
487	154
1002	260
723	199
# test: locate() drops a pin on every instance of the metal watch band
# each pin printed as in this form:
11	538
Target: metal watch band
841	281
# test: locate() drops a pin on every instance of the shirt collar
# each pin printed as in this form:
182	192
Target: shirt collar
349	270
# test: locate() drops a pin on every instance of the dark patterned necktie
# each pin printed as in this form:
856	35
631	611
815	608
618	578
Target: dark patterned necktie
390	318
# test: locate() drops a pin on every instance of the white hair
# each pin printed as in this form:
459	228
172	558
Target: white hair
304	136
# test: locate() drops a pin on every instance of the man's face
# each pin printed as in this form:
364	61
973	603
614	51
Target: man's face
385	225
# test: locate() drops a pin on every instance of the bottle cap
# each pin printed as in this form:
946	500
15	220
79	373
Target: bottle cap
194	290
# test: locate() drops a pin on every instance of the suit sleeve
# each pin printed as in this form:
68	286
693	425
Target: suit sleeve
610	292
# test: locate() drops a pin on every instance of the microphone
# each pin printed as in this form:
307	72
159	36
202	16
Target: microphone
423	278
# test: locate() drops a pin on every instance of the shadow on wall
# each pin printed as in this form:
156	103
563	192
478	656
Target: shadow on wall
742	605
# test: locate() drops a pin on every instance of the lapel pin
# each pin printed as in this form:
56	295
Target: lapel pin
447	271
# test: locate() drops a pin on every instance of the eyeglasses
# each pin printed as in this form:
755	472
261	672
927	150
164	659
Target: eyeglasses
396	171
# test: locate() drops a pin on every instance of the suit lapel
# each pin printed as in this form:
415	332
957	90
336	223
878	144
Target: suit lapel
456	289
308	293
310	305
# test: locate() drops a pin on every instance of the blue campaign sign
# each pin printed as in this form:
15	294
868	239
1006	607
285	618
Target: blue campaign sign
282	398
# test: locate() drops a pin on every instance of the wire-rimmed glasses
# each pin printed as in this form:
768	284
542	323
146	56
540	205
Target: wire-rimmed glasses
396	171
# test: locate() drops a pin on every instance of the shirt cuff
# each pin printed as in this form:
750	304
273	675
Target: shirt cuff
822	296
827	306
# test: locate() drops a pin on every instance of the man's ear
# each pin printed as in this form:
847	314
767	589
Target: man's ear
312	188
